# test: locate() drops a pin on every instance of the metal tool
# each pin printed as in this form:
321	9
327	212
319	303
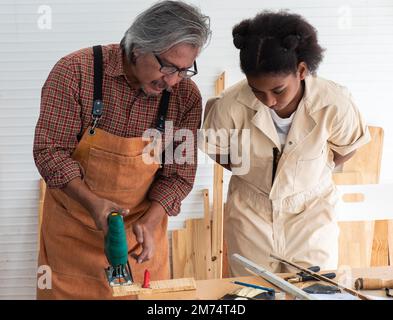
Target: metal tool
116	251
320	277
272	278
303	277
250	285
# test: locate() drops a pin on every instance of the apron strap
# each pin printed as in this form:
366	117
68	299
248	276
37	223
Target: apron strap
162	111
97	95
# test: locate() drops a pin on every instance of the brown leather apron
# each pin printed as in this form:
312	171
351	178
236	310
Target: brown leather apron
72	246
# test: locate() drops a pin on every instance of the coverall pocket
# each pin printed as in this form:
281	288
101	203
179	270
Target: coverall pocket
309	172
260	174
127	173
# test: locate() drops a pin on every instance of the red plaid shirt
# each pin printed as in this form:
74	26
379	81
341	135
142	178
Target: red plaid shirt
66	106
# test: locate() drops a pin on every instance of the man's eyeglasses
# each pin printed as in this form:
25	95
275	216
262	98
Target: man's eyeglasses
183	72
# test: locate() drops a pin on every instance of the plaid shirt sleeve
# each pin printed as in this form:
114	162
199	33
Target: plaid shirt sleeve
58	126
176	180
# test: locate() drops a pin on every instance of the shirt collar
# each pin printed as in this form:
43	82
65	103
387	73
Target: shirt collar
115	63
315	95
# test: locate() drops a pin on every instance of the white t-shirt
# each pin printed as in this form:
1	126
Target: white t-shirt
282	126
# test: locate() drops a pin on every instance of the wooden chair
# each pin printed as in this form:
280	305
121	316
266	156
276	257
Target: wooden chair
364	243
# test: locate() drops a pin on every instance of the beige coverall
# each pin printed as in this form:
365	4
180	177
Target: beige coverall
293	216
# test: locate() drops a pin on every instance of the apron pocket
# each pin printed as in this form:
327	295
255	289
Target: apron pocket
111	172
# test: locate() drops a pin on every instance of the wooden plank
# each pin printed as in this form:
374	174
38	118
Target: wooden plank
225	259
42	190
179	253
380	247
390	241
161	286
355	243
207	234
218	212
220	84
217	222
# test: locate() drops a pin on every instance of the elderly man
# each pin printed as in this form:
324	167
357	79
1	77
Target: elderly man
96	105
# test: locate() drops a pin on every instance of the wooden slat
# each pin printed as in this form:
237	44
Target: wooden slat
218	204
207	234
42	190
220	84
179	253
172	285
390	241
225	259
217	222
191	247
355	243
380	247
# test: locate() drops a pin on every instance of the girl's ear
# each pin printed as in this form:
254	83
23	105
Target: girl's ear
302	70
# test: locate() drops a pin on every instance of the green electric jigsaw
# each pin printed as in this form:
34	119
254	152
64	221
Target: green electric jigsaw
116	251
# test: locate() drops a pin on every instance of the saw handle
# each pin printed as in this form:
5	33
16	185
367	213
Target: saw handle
116	249
372	284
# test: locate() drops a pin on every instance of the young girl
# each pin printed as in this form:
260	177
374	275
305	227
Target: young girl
300	127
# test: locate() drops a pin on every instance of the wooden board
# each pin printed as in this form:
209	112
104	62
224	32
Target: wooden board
161	286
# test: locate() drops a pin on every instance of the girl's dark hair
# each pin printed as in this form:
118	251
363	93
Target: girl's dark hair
276	43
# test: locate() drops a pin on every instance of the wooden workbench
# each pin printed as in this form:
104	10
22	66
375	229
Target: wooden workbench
216	288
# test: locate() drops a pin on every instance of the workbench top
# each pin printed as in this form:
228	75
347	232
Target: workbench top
216	288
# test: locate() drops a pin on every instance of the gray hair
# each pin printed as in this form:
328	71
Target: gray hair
164	25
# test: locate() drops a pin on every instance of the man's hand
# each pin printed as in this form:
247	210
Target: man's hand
98	208
144	229
100	211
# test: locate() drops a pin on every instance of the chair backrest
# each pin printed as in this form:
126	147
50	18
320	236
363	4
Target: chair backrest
364	224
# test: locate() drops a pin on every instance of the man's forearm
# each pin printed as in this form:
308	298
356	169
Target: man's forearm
79	192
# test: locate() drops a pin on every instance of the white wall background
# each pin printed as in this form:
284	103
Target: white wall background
34	34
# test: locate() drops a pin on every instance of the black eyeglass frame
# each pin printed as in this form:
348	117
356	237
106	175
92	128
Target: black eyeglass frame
174	69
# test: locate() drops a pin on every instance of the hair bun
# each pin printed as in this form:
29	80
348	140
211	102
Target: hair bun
239	41
290	42
239	33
